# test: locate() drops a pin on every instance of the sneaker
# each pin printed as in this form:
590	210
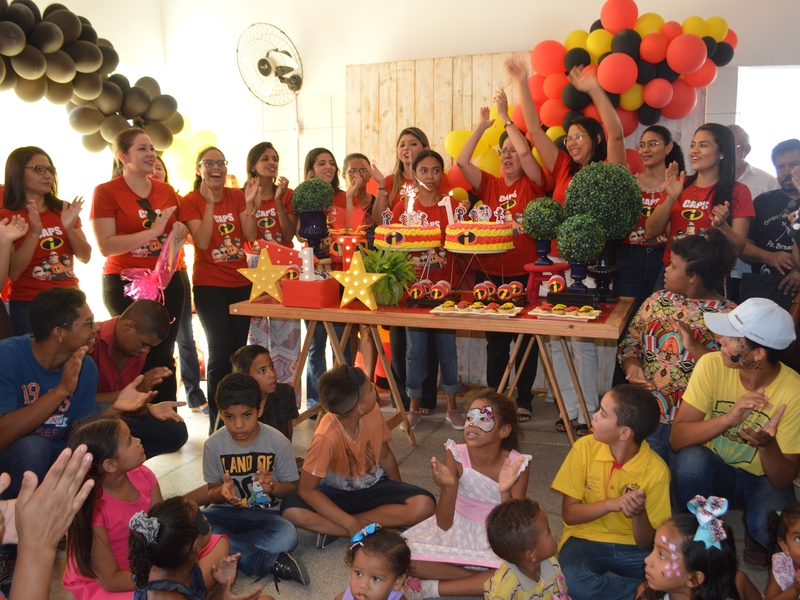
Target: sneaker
455	419
324	540
288	567
754	554
413	419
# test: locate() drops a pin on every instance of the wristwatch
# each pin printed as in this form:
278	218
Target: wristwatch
507	123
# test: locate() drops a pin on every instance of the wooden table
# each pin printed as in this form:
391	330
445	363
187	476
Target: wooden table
609	326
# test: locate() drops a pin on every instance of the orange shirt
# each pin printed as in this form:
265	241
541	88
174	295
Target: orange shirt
269	225
115	200
217	265
444	188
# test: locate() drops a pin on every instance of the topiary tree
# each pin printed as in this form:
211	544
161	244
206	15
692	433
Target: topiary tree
580	239
313	194
542	218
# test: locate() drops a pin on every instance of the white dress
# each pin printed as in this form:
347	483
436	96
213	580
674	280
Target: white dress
465	542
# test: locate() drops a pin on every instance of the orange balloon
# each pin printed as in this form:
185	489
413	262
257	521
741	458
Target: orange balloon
536	87
671	30
653	48
704	76
548	57
554	83
619	14
553	112
684	99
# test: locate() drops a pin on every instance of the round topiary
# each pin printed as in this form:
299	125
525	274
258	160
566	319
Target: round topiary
312	194
542	218
610	194
580	239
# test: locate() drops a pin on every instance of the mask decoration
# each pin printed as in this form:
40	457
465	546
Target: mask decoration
482	418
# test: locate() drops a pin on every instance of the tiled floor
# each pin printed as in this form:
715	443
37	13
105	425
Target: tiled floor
182	471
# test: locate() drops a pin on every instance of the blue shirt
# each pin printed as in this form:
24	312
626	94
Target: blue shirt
23	381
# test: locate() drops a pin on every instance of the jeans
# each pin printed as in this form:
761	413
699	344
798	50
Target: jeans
587	566
698	470
260	535
639	270
430	372
225	334
161	355
28	453
158	437
187	349
659	443
18	311
417	347
584	354
316	363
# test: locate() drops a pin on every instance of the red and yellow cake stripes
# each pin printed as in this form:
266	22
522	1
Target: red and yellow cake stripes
407	237
471	236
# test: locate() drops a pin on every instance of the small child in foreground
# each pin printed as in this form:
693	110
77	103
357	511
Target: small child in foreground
784	575
519	533
379	560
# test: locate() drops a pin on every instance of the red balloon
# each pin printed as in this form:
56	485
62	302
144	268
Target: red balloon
704	76
553	112
372	187
635	164
554	83
548	57
658	93
536	87
684	99
686	53
618	14
653	48
591	112
457	178
628	119
518	119
671	30
732	38
617	73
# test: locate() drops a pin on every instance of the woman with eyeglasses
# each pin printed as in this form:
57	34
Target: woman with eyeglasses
520	183
45	256
132	216
639	257
221	220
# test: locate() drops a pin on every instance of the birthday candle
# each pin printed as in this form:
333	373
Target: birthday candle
448	207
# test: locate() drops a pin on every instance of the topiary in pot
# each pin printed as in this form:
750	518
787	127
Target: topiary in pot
309	200
540	221
580	241
399	272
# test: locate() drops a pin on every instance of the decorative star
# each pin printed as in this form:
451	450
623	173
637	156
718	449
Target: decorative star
358	282
265	277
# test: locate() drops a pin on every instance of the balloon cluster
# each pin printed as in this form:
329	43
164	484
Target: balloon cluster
649	68
58	55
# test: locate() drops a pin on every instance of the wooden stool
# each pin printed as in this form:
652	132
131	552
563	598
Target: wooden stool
541	273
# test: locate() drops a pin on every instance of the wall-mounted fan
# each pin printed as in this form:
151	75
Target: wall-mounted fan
269	64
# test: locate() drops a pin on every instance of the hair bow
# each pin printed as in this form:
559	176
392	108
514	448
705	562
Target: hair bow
147	526
358	538
709	530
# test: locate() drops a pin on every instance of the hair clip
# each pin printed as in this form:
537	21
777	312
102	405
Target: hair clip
358	538
710	529
147	526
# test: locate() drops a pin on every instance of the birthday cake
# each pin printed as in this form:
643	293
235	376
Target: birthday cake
407	237
472	236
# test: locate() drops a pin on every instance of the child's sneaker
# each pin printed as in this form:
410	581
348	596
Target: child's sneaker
324	540
287	567
455	419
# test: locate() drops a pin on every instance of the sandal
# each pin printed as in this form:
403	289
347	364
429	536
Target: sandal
523	415
424	411
560	426
581	429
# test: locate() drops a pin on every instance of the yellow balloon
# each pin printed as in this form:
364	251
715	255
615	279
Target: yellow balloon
493	113
633	98
599	42
648	23
576	39
538	157
460	194
491	136
717	28
455	140
186	132
695	25
490	162
203	139
179	158
556	132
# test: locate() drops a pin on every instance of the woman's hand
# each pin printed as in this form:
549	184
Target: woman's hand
70	212
443	476
501	101
34	219
13	229
252	191
280	190
673	183
483	118
376	174
162	218
355	183
584	80
205	192
635	374
516	70
720	213
179	234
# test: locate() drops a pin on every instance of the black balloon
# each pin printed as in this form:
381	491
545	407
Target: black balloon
47	37
574	99
110	99
161	108
21	15
135	102
647	72
596	25
94	142
12	39
575	57
614	99
31	90
104	42
112	126
603	57
10	80
86	120
723	55
151	85
648	115
110	60
159	134
569	118
122	82
51	8
88	34
58	93
37	15
30	63
88	86
60	67
627	41
87	56
68	22
175	123
84	21
711	45
664	72
2	70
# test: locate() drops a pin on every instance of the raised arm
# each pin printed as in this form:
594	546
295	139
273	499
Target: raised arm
658	220
201	229
529	165
585	80
446	477
464	161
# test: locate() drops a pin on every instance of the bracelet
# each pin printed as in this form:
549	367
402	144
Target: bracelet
250	213
382	192
382	188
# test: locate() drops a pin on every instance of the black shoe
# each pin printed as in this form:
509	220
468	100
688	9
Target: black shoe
289	568
324	540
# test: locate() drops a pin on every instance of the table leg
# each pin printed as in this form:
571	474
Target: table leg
336	343
576	381
522	364
512	358
551	376
301	363
400	416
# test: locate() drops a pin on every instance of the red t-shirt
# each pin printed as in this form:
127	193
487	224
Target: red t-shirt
52	263
217	265
269	225
111	379
444	188
562	176
691	212
115	200
636	237
494	192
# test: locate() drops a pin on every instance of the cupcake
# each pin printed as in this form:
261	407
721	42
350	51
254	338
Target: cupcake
571	310
492	307
477	307
507	307
559	309
545	308
586	309
463	306
448	305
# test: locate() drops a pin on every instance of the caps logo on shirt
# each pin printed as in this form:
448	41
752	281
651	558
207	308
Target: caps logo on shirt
692	214
225	228
266	223
51	243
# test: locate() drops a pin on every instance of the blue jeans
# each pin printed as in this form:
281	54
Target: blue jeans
659	443
316	364
588	565
416	348
260	535
639	271
28	453
187	349
698	470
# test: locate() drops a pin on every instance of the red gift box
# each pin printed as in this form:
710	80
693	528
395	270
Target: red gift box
323	293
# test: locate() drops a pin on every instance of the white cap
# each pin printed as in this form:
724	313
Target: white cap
757	319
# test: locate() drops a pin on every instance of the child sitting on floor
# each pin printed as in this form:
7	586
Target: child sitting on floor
378	559
784	576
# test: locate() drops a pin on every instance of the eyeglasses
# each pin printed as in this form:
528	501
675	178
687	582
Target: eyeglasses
42	169
508	152
210	163
576	138
144	204
89	322
651	144
354	171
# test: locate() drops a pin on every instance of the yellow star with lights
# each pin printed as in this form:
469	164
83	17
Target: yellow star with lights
265	277
358	282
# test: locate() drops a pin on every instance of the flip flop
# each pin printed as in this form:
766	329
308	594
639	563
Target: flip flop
560	426
523	415
581	429
424	411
